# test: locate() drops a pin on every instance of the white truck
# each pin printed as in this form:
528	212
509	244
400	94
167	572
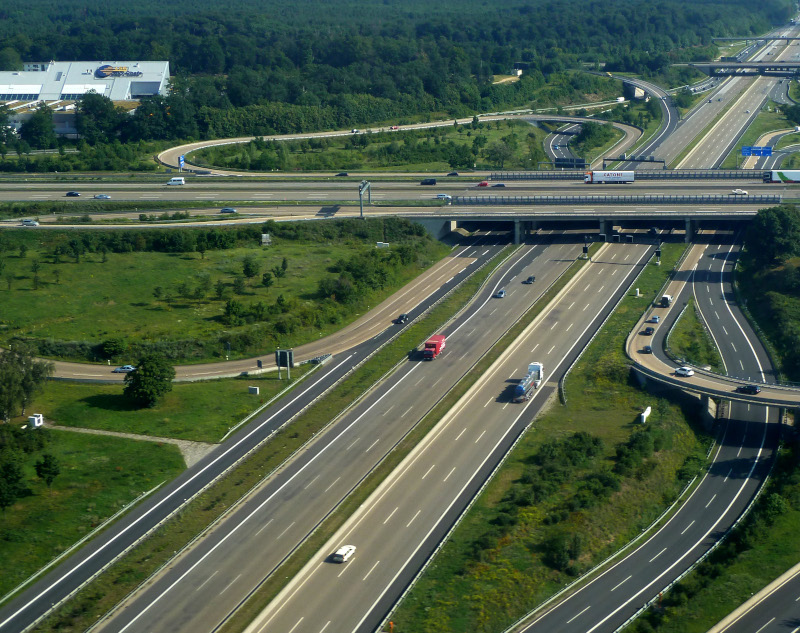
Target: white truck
666	301
608	177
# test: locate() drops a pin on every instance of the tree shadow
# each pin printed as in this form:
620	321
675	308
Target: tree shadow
111	402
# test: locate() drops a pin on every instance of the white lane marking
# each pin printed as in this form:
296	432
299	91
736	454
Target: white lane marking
387	410
767	624
716	315
741	364
419	381
657	555
623	582
551	350
728	475
492	312
554	324
266	525
353	444
584	308
386	520
372	445
484	252
286	529
460	434
534	347
322	630
428	471
601	288
405	413
480	436
448	474
579	614
613	272
488	403
310	482
586	289
331	486
229	584
412	518
371	570
733	346
570	305
206	580
449	280
686	528
568	327
724	330
296	625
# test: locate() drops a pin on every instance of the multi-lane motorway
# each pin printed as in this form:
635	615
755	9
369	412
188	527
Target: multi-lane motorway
397	528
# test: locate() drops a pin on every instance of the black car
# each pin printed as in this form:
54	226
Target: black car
453	173
530	279
73	194
647	350
750	389
401	319
342	173
648	331
428	181
499	184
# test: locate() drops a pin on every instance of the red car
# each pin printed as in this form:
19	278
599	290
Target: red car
395	127
483	183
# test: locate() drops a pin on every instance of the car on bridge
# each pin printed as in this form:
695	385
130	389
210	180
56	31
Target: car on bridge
686	372
749	389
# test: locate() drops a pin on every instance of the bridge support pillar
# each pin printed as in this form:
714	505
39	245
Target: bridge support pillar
603	224
516	232
689	230
708	411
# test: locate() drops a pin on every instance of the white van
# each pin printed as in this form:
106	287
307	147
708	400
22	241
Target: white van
343	554
29	223
179	180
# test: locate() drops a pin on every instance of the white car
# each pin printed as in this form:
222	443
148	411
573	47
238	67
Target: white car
684	371
501	294
343	554
29	223
123	370
739	192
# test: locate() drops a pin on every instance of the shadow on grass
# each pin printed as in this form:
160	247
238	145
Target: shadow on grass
110	402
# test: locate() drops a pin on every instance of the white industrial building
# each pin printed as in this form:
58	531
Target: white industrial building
68	81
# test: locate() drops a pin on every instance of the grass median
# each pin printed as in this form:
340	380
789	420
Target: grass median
689	341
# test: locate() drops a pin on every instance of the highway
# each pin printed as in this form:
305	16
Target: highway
203	587
404	519
62	582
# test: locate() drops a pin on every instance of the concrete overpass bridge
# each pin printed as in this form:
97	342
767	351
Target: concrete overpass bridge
719	68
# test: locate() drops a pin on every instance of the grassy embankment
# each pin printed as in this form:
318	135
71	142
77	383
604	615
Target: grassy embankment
528	533
110	295
125	575
101	474
689	341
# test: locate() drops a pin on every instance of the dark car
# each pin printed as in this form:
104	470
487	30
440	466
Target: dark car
401	319
750	389
648	331
530	279
73	194
499	184
453	173
647	350
227	210
428	181
342	173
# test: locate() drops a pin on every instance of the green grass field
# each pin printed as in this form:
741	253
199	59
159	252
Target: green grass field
99	476
201	411
94	300
492	570
690	341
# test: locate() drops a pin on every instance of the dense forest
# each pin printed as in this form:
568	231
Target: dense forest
261	68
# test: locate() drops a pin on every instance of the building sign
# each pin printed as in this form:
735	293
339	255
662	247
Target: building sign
106	71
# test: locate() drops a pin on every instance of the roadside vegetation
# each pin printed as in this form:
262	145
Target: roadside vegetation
197	294
769	281
689	341
584	480
770	118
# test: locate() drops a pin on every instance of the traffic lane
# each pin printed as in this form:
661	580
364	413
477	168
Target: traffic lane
740	464
39	598
486	416
220	572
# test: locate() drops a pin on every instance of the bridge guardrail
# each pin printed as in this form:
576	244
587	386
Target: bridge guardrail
644	174
728	199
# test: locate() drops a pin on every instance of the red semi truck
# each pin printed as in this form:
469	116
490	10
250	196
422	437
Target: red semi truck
433	347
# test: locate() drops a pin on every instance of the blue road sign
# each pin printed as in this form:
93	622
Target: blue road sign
181	160
747	150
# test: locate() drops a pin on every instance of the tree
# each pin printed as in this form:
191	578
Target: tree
97	119
47	468
238	285
498	153
266	280
250	266
150	381
39	130
21	377
774	235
